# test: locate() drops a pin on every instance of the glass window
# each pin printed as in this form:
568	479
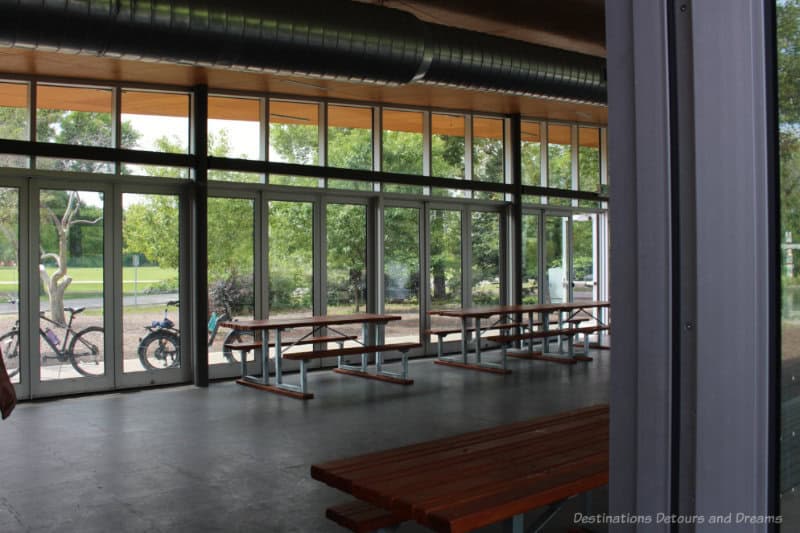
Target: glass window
402	147
447	146
588	162
150	282
73	115
531	150
293	132
77	116
14	119
350	137
559	160
487	154
234	128
485	258
155	121
71	266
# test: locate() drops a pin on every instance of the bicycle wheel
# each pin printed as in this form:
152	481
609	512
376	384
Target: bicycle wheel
9	344
86	351
233	356
159	350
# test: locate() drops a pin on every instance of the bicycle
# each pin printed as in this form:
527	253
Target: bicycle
85	351
161	347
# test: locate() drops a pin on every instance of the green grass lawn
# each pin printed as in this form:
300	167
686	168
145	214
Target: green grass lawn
88	281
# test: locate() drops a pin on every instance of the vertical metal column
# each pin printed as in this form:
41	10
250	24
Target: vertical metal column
515	175
198	207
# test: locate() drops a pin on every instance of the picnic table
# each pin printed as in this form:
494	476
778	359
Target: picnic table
321	331
461	483
568	316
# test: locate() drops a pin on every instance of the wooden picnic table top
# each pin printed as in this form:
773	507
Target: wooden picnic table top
316	321
461	483
481	312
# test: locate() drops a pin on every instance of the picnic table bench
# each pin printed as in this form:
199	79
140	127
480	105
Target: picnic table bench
461	483
371	323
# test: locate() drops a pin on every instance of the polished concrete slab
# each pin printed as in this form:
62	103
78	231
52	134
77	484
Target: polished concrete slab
232	458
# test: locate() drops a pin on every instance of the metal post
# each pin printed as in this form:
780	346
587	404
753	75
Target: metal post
278	373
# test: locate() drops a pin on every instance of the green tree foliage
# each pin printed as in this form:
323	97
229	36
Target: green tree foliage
788	37
290	255
445	260
401	253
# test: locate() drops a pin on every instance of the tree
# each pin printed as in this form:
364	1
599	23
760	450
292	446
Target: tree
788	44
56	284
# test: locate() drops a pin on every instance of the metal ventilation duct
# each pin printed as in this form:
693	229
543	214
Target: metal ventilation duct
331	38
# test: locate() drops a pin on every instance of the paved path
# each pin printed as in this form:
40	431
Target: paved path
95	303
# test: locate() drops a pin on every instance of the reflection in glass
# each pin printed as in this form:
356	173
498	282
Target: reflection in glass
401	274
9	281
485	258
71	344
530	259
231	292
445	266
150	282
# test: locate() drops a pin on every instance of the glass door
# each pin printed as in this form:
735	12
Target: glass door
445	272
401	272
69	346
556	258
291	264
10	344
584	257
530	257
151	318
231	281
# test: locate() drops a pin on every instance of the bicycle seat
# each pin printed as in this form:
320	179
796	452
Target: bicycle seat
74	310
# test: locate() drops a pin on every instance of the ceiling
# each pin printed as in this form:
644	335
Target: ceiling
575	25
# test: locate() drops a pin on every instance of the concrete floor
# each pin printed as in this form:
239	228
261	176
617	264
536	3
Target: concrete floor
232	458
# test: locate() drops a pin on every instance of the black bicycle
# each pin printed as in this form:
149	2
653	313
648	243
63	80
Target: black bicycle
161	347
83	349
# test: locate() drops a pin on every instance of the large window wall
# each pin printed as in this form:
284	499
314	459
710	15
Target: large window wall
312	207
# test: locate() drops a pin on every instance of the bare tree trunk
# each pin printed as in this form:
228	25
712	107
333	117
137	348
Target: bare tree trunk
57	284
